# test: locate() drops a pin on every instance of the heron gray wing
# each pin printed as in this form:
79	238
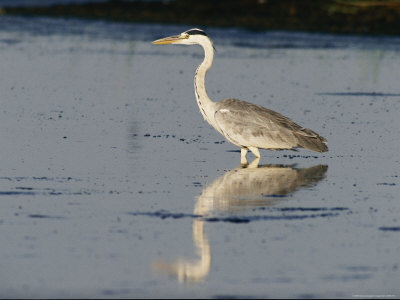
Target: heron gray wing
250	125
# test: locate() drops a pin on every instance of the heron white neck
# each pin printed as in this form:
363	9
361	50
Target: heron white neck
206	105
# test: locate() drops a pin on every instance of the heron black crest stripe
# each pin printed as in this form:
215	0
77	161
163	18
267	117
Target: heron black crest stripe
196	31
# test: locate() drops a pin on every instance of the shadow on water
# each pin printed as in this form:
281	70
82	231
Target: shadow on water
241	189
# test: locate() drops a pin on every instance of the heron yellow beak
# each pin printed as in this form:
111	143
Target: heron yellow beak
170	40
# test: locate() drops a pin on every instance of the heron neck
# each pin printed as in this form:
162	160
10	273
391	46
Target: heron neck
205	103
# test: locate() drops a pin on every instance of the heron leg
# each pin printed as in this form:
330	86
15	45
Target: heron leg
255	151
254	163
243	152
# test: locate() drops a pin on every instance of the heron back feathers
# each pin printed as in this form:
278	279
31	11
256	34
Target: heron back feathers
250	125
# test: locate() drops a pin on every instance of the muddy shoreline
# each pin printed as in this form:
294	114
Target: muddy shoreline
345	17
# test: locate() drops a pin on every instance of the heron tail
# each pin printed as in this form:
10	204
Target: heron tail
312	142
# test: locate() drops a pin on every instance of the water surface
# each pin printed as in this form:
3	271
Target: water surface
112	185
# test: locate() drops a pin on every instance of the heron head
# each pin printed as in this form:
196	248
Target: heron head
189	37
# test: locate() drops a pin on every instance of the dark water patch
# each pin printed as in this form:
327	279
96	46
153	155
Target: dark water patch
195	139
57	179
23	188
346	278
386	183
236	220
274	196
301	209
163	214
40	216
18	193
26	186
384	228
38	178
42	192
248	219
364	94
312	209
291	156
10	41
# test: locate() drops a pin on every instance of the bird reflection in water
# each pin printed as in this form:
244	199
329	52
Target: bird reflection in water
239	189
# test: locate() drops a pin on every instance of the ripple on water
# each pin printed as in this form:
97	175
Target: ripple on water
288	213
384	228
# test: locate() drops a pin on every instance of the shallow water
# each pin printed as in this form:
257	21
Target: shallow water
112	185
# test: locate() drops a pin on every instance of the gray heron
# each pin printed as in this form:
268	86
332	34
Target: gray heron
244	124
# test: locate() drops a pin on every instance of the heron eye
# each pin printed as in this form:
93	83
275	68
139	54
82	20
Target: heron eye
185	36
